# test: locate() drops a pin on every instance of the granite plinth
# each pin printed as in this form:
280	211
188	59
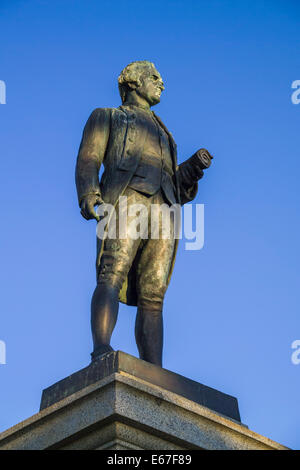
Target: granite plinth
123	412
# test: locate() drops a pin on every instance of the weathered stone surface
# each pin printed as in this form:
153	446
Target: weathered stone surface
120	362
125	412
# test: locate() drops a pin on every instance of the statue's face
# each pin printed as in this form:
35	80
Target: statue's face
151	87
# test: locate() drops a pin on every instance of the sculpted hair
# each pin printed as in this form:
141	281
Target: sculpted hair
132	74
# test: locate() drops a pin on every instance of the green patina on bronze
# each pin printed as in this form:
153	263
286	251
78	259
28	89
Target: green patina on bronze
139	156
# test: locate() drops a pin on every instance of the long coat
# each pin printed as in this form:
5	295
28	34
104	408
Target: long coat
115	137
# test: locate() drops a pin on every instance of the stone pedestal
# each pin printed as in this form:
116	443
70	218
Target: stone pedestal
122	403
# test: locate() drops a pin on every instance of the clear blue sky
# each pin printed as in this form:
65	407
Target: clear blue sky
232	309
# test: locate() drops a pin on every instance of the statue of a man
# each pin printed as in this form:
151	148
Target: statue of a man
140	162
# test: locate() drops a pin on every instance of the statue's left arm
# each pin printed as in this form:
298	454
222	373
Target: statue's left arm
190	172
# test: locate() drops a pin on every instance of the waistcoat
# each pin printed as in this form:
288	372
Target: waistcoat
155	169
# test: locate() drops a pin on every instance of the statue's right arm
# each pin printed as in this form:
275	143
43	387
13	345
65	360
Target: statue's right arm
90	157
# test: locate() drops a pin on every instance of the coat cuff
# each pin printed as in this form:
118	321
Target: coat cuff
95	193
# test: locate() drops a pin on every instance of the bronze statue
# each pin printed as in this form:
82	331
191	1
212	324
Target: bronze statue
140	162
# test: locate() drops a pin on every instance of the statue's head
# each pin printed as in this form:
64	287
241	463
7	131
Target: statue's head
142	78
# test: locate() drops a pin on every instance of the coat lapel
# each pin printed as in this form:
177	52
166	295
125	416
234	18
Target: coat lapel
134	141
172	141
173	147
